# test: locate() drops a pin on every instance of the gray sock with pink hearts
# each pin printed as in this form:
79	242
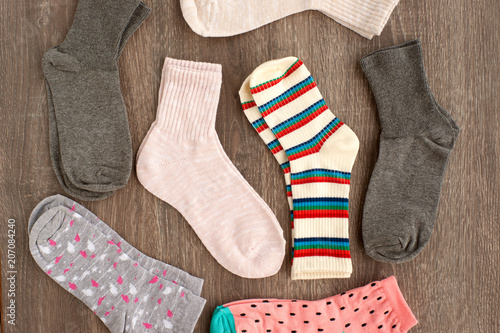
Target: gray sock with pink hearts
156	267
91	265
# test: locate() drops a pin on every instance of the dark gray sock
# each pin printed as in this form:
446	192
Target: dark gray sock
416	139
55	155
89	135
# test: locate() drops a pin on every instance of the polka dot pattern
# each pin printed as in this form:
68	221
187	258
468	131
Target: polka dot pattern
367	309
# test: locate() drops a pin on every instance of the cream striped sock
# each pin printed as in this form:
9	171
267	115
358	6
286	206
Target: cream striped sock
218	18
321	151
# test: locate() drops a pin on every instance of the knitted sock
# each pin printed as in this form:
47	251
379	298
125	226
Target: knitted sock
89	136
183	163
416	139
377	307
321	151
55	155
259	124
156	267
91	266
230	17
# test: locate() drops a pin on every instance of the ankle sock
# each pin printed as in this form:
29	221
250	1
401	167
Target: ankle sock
416	140
376	307
125	296
319	150
90	141
182	162
156	267
259	124
230	17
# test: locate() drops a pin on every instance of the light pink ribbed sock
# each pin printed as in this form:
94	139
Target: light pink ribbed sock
182	162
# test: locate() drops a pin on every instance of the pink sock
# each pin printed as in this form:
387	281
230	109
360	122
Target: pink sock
182	162
376	307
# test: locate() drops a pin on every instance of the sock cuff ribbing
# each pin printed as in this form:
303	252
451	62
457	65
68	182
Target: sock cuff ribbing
97	30
399	84
387	61
189	95
367	18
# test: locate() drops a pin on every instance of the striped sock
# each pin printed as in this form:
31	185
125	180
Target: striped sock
321	151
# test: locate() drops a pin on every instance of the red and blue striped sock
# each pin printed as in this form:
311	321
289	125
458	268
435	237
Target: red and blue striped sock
282	102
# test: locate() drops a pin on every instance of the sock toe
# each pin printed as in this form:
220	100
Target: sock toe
41	231
222	321
41	208
192	10
267	261
101	180
398	250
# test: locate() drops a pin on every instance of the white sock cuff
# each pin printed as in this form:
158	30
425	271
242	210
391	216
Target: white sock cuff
367	18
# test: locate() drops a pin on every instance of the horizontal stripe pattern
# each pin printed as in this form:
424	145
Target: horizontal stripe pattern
322	242
321	176
248	105
288	96
275	146
273	82
320	203
260	125
321	208
309	114
321	253
286	167
314	144
300	119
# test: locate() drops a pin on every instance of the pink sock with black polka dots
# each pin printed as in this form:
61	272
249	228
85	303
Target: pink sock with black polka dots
376	307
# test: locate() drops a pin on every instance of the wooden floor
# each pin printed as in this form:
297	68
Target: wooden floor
452	286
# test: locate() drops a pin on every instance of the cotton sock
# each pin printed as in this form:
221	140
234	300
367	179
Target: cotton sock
92	267
183	163
259	124
231	17
416	139
57	165
321	151
89	135
377	307
156	267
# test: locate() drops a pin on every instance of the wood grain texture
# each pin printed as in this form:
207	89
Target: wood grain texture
452	286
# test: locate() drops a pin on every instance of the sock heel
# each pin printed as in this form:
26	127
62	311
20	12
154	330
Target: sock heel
60	61
343	143
156	168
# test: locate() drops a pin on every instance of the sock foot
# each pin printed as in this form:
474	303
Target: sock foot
416	140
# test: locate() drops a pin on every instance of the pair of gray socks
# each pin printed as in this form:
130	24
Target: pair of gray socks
129	291
416	139
90	142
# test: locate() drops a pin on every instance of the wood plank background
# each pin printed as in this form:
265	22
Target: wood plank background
452	286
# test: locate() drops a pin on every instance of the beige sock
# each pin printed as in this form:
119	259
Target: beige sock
220	18
182	162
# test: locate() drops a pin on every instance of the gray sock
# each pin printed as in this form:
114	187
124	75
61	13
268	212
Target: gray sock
156	267
92	267
55	155
416	139
89	135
